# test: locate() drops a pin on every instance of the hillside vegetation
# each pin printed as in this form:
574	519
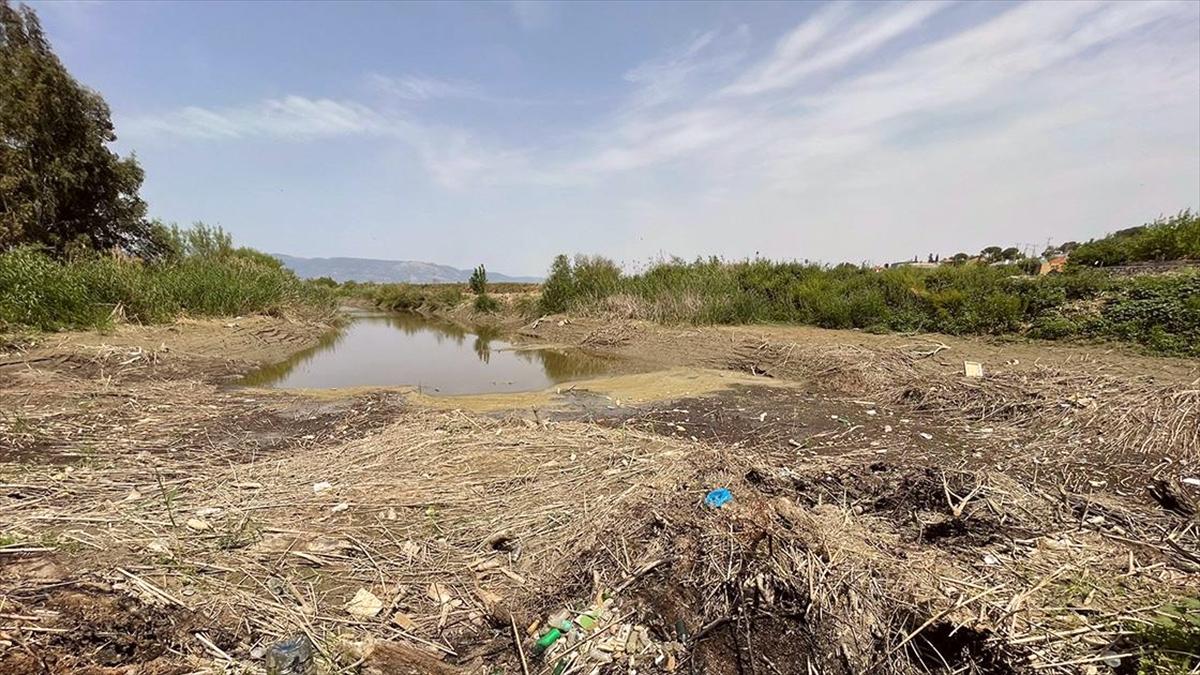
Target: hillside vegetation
1161	313
1165	239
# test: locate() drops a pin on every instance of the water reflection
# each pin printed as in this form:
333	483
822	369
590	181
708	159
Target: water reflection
407	349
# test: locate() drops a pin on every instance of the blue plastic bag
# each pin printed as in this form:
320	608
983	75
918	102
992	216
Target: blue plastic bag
718	497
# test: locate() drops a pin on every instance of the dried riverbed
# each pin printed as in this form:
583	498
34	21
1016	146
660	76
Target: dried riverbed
889	515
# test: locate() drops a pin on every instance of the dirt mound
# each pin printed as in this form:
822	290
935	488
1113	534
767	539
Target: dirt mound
89	629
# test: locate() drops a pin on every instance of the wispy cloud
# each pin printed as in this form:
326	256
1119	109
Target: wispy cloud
709	55
420	88
831	39
288	118
856	115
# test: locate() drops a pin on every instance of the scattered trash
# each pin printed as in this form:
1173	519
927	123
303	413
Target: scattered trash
762	417
338	508
293	656
989	559
973	368
404	621
1194	482
600	635
887	428
718	497
322	486
928	437
364	604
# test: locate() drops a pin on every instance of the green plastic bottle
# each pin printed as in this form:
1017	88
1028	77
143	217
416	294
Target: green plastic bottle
546	640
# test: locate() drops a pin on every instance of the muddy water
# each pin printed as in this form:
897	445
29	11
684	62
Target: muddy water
436	357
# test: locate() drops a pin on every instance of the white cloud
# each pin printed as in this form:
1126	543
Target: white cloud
419	88
665	79
851	137
831	39
288	118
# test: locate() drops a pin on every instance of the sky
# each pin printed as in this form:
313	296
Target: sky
504	133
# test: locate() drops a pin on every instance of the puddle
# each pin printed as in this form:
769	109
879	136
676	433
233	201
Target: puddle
439	358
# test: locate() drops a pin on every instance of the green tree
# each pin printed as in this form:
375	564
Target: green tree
60	185
1011	253
478	281
991	254
559	287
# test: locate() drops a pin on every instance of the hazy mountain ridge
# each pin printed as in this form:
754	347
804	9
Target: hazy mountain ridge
385	271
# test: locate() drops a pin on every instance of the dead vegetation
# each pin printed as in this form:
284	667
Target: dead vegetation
402	540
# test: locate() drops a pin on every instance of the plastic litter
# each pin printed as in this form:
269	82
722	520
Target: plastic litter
718	497
293	656
602	634
546	640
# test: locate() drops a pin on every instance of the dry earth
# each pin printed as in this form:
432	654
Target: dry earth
888	514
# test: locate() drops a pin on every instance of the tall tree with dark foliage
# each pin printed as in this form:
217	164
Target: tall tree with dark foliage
60	185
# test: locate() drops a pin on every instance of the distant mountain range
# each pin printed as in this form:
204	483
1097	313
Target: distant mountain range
386	271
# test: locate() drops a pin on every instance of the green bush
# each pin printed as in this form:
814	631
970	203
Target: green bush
1161	313
486	303
414	298
1175	238
39	291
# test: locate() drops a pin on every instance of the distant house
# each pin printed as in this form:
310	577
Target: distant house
1054	264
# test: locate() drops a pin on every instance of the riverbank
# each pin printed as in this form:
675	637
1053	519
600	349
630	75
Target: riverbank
889	513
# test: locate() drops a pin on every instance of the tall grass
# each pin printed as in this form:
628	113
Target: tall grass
42	292
1162	313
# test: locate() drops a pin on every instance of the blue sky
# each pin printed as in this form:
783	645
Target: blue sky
505	133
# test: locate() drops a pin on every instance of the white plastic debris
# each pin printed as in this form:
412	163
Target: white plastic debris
364	604
323	486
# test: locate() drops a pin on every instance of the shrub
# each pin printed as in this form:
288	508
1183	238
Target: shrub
1174	238
42	292
486	303
1161	313
416	298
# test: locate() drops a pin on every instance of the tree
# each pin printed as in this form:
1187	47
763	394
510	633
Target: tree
60	185
991	254
559	288
1011	253
478	281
